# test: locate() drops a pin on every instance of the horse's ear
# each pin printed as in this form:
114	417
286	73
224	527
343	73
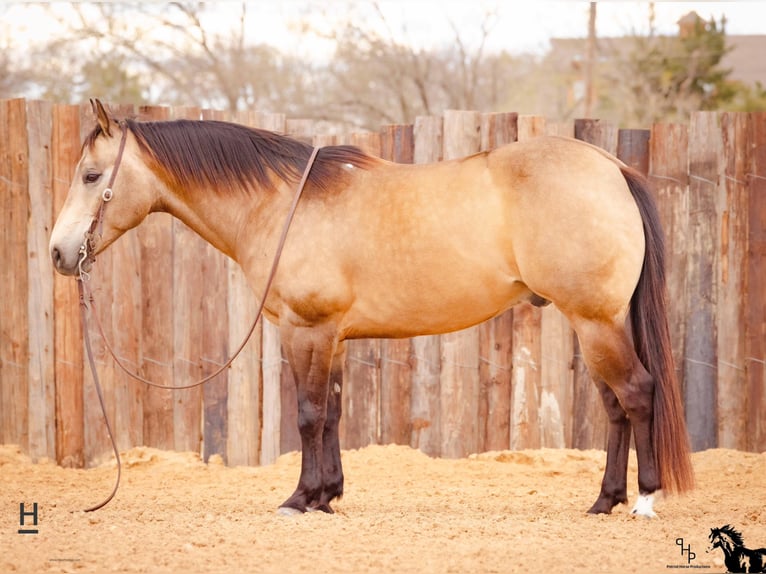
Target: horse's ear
102	116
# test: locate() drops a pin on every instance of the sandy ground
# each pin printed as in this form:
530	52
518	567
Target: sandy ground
402	512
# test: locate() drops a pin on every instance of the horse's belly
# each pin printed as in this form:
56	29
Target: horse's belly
423	308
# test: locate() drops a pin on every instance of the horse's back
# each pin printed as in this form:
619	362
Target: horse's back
425	249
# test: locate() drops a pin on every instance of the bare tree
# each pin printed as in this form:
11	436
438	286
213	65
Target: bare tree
168	53
377	78
15	78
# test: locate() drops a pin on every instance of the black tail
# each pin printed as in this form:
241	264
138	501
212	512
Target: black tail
649	321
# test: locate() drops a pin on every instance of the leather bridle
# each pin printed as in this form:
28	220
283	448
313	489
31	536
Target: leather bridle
87	302
88	246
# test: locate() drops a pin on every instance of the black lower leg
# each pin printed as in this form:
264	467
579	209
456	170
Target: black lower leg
614	484
333	469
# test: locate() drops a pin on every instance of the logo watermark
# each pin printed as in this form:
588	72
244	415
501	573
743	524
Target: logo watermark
24	514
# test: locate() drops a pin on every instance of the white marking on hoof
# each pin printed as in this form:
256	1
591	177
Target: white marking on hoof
287	511
644	506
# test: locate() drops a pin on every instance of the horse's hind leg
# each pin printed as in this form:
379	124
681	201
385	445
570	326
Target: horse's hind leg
609	354
614	484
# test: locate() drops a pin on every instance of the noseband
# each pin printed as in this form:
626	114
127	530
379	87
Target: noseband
88	246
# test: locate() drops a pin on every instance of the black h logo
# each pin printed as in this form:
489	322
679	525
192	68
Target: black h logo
22	522
688	550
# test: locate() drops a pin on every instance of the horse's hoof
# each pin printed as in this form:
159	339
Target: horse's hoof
606	503
644	506
321	508
288	511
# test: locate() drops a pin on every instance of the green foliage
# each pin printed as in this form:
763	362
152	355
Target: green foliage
665	78
749	98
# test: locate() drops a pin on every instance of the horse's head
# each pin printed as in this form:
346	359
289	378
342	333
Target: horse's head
132	197
726	538
715	539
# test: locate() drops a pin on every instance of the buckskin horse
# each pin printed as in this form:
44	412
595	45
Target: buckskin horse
378	249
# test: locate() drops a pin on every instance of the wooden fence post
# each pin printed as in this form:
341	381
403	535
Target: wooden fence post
244	398
396	366
496	335
731	294
67	329
215	342
156	356
14	319
633	148
669	167
271	358
428	135
526	379
755	311
42	387
360	423
96	442
556	369
589	424
700	367
188	288
460	350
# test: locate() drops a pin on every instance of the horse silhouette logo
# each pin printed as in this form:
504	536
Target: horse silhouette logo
736	557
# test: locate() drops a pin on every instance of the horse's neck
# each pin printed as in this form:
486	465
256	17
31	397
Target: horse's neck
727	544
219	218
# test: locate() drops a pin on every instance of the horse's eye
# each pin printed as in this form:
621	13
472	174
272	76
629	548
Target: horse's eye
91	177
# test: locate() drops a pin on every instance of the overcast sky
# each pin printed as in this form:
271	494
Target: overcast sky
521	26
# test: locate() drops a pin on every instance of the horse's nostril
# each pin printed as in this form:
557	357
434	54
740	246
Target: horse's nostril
56	256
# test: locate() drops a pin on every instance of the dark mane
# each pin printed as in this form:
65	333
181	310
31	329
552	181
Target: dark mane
735	536
225	156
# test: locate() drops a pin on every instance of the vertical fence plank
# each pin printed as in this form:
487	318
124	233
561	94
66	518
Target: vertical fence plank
361	376
428	137
290	440
701	347
188	290
731	210
633	148
397	144
496	335
68	349
557	372
460	350
14	320
243	444
557	349
117	288
106	273
215	342
271	353
669	177
755	311
156	356
589	424
526	378
96	440
42	390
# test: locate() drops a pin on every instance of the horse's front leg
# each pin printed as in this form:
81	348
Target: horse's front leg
333	469
310	351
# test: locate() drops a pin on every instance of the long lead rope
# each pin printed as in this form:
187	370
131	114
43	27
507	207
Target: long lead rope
87	306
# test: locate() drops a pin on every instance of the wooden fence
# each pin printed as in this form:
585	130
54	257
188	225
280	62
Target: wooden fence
174	308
